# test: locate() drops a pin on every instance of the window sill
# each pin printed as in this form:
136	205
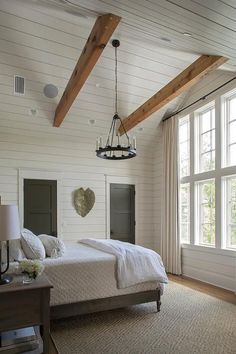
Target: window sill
206	249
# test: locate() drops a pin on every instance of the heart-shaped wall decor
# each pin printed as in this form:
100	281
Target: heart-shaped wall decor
84	201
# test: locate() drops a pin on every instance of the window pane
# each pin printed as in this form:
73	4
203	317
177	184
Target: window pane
185	213
206	145
230	208
184	147
183	131
206	142
208	161
229	129
232	108
232	155
206	222
232	132
206	121
232	238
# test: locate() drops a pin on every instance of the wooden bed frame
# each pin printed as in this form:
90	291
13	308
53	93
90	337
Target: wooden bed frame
109	303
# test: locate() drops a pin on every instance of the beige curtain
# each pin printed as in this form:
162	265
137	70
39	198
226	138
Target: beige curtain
170	241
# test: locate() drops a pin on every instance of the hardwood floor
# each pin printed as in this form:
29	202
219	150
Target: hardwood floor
205	288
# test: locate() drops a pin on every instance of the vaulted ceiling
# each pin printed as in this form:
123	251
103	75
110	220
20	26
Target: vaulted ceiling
159	39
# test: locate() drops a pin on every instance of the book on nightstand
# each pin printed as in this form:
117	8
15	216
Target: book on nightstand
19	341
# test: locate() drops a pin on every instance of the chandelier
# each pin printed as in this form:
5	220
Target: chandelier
114	148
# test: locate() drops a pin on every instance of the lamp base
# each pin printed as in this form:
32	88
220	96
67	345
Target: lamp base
5	279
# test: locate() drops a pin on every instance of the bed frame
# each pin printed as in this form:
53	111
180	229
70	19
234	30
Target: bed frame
109	303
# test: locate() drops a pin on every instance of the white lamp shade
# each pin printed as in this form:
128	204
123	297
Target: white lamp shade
9	222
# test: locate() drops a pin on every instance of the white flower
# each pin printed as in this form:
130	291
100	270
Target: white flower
32	268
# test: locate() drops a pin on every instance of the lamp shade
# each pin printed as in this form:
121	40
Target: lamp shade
9	222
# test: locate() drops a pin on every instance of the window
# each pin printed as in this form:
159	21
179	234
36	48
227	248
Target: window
206	212
206	140
229	130
185	212
230	211
184	144
207	170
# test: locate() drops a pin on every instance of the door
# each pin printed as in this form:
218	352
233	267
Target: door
122	212
40	206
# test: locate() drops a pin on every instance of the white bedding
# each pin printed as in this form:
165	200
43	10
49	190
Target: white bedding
135	264
85	273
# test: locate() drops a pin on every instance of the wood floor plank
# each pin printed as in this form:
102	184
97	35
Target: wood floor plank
205	288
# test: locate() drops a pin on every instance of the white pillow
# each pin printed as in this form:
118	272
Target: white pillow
32	246
16	252
51	244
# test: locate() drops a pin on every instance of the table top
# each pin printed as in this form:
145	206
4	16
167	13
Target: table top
17	284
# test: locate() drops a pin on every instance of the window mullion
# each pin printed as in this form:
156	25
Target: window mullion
218	182
192	168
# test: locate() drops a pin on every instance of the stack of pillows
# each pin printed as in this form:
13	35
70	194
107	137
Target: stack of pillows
35	247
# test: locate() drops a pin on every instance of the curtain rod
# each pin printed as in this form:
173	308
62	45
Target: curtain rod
198	100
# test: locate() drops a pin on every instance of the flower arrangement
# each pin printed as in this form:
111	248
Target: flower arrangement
31	268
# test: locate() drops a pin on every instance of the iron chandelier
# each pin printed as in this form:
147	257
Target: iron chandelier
120	151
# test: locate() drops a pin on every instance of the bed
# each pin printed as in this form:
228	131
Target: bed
84	282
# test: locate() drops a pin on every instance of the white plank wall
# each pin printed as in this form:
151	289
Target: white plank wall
44	50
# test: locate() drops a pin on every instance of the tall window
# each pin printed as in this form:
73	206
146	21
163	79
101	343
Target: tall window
207	169
230	211
229	129
206	212
206	140
185	212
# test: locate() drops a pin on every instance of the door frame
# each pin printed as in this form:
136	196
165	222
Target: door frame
120	180
39	174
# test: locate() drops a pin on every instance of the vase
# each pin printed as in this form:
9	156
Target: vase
27	279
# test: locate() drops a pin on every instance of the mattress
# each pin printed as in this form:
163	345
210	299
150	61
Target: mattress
85	273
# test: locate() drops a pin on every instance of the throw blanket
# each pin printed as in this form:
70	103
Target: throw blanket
135	264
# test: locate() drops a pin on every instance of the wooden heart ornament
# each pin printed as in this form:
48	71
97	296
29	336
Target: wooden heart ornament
84	201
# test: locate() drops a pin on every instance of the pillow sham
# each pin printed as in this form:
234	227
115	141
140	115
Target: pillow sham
53	246
32	245
16	252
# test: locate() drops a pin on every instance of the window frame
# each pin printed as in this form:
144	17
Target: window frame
219	174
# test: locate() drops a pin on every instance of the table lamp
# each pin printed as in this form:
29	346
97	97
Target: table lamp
9	230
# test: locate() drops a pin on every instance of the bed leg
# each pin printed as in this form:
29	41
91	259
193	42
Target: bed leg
158	300
158	305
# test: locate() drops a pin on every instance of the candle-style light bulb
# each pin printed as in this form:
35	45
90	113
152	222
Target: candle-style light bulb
134	142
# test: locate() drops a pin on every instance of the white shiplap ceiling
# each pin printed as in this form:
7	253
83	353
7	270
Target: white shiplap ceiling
43	39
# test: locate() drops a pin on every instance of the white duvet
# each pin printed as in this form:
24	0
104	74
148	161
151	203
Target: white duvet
85	273
134	264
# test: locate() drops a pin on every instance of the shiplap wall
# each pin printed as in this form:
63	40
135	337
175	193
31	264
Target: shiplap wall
42	49
36	147
217	267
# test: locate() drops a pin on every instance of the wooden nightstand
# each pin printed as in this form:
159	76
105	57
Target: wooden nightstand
24	305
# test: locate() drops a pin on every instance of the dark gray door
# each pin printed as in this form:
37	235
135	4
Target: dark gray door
40	206
122	212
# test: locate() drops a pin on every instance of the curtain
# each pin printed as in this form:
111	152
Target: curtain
170	237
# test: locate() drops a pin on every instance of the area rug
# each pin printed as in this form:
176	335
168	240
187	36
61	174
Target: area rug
190	322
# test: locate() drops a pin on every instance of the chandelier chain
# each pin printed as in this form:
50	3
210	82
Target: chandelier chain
116	86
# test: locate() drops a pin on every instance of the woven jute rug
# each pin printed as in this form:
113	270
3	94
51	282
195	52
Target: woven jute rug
190	322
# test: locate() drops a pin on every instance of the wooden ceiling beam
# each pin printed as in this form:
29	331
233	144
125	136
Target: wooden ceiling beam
186	79
97	41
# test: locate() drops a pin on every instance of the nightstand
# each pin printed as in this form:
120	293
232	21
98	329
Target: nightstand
25	305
